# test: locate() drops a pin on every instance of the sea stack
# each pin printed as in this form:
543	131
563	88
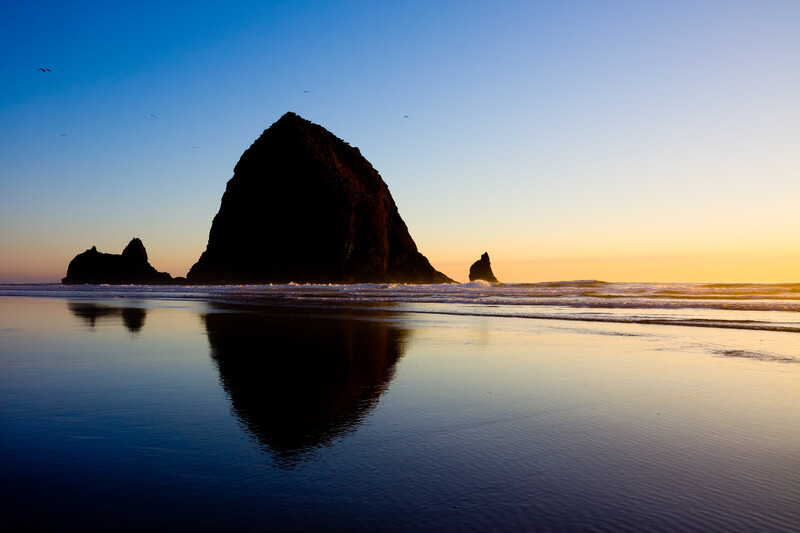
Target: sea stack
482	270
304	206
129	268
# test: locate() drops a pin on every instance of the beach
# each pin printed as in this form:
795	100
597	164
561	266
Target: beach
252	410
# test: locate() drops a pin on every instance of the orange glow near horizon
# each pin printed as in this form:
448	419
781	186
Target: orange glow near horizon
719	268
49	265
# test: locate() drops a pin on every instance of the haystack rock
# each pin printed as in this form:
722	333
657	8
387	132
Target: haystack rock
129	268
304	206
482	270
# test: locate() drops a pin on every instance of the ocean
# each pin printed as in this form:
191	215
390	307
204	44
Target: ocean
766	306
569	406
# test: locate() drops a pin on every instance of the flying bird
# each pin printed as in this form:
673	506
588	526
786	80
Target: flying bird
43	69
195	147
63	134
405	116
307	92
152	115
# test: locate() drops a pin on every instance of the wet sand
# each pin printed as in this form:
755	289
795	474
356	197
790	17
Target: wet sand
132	413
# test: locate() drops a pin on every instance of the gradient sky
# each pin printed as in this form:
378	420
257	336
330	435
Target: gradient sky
613	140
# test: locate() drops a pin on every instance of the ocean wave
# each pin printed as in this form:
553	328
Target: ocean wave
728	305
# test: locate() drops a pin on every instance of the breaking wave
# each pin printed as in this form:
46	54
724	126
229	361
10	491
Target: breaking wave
773	306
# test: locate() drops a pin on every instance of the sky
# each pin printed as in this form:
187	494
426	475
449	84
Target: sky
611	140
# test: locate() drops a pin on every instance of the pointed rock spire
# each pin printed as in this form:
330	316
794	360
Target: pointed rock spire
482	270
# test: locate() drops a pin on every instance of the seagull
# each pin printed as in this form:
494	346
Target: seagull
307	92
152	115
63	134
405	116
195	147
43	69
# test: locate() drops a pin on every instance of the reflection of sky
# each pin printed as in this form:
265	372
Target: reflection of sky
507	423
570	140
609	382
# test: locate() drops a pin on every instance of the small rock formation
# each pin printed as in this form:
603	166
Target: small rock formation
304	206
129	268
482	270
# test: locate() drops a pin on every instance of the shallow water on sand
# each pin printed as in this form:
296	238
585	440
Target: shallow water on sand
131	413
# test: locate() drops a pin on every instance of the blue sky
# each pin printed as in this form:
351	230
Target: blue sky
650	141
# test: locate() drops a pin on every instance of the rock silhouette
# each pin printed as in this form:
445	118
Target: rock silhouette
129	268
304	206
482	270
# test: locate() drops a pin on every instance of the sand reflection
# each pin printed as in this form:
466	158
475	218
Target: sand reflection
298	381
90	313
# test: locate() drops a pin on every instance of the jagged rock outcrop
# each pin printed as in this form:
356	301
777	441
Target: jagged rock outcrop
304	206
482	270
129	268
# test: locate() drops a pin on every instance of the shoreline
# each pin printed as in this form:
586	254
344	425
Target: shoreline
764	308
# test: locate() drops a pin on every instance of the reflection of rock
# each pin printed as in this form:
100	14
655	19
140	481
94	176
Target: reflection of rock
482	269
130	267
307	207
299	381
132	317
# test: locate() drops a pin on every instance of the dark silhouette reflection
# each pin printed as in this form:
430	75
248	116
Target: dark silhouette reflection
132	317
298	381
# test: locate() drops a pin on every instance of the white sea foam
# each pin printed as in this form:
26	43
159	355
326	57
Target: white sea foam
732	305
